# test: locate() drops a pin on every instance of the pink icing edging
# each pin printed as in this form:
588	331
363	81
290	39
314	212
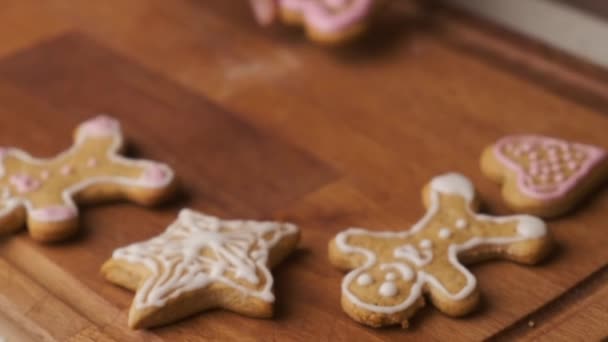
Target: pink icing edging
100	126
594	156
320	18
24	183
54	213
155	174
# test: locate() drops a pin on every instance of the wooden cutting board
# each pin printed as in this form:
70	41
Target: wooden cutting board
261	124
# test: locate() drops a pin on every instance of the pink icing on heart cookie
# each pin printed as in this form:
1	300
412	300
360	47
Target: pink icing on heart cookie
547	168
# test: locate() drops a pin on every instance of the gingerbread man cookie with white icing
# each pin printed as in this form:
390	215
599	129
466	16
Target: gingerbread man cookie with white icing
329	21
42	192
202	262
391	271
544	176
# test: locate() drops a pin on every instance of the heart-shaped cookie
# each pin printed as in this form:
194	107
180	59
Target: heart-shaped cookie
543	175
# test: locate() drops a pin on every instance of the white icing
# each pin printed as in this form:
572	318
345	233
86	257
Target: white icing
531	227
388	289
82	133
413	255
177	264
404	270
445	233
390	276
528	228
453	184
426	244
461	223
365	279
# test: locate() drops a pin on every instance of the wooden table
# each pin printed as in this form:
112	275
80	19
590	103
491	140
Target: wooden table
261	124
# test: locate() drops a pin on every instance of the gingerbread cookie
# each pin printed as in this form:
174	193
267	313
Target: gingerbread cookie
390	271
202	262
42	192
329	21
541	175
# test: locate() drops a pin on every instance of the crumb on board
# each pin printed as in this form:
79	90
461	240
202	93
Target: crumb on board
531	323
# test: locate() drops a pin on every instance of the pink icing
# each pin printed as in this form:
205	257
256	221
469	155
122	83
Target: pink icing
54	213
155	174
24	183
92	162
66	170
592	156
44	174
329	15
100	126
3	152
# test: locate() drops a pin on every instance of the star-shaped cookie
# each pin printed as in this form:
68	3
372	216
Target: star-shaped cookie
544	176
202	262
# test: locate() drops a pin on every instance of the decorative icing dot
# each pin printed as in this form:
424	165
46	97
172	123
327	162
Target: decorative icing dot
461	223
24	183
445	233
390	276
66	170
44	174
556	167
426	243
92	162
554	158
388	289
533	156
572	165
559	177
364	279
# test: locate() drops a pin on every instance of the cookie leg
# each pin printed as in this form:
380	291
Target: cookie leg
12	217
452	289
52	219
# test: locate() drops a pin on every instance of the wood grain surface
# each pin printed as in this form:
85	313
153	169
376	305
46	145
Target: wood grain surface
261	124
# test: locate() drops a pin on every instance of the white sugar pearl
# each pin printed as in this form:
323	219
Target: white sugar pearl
388	289
461	223
364	279
445	233
426	243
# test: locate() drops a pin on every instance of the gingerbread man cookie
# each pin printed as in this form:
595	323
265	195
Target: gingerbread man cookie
329	21
390	271
541	175
41	192
202	262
